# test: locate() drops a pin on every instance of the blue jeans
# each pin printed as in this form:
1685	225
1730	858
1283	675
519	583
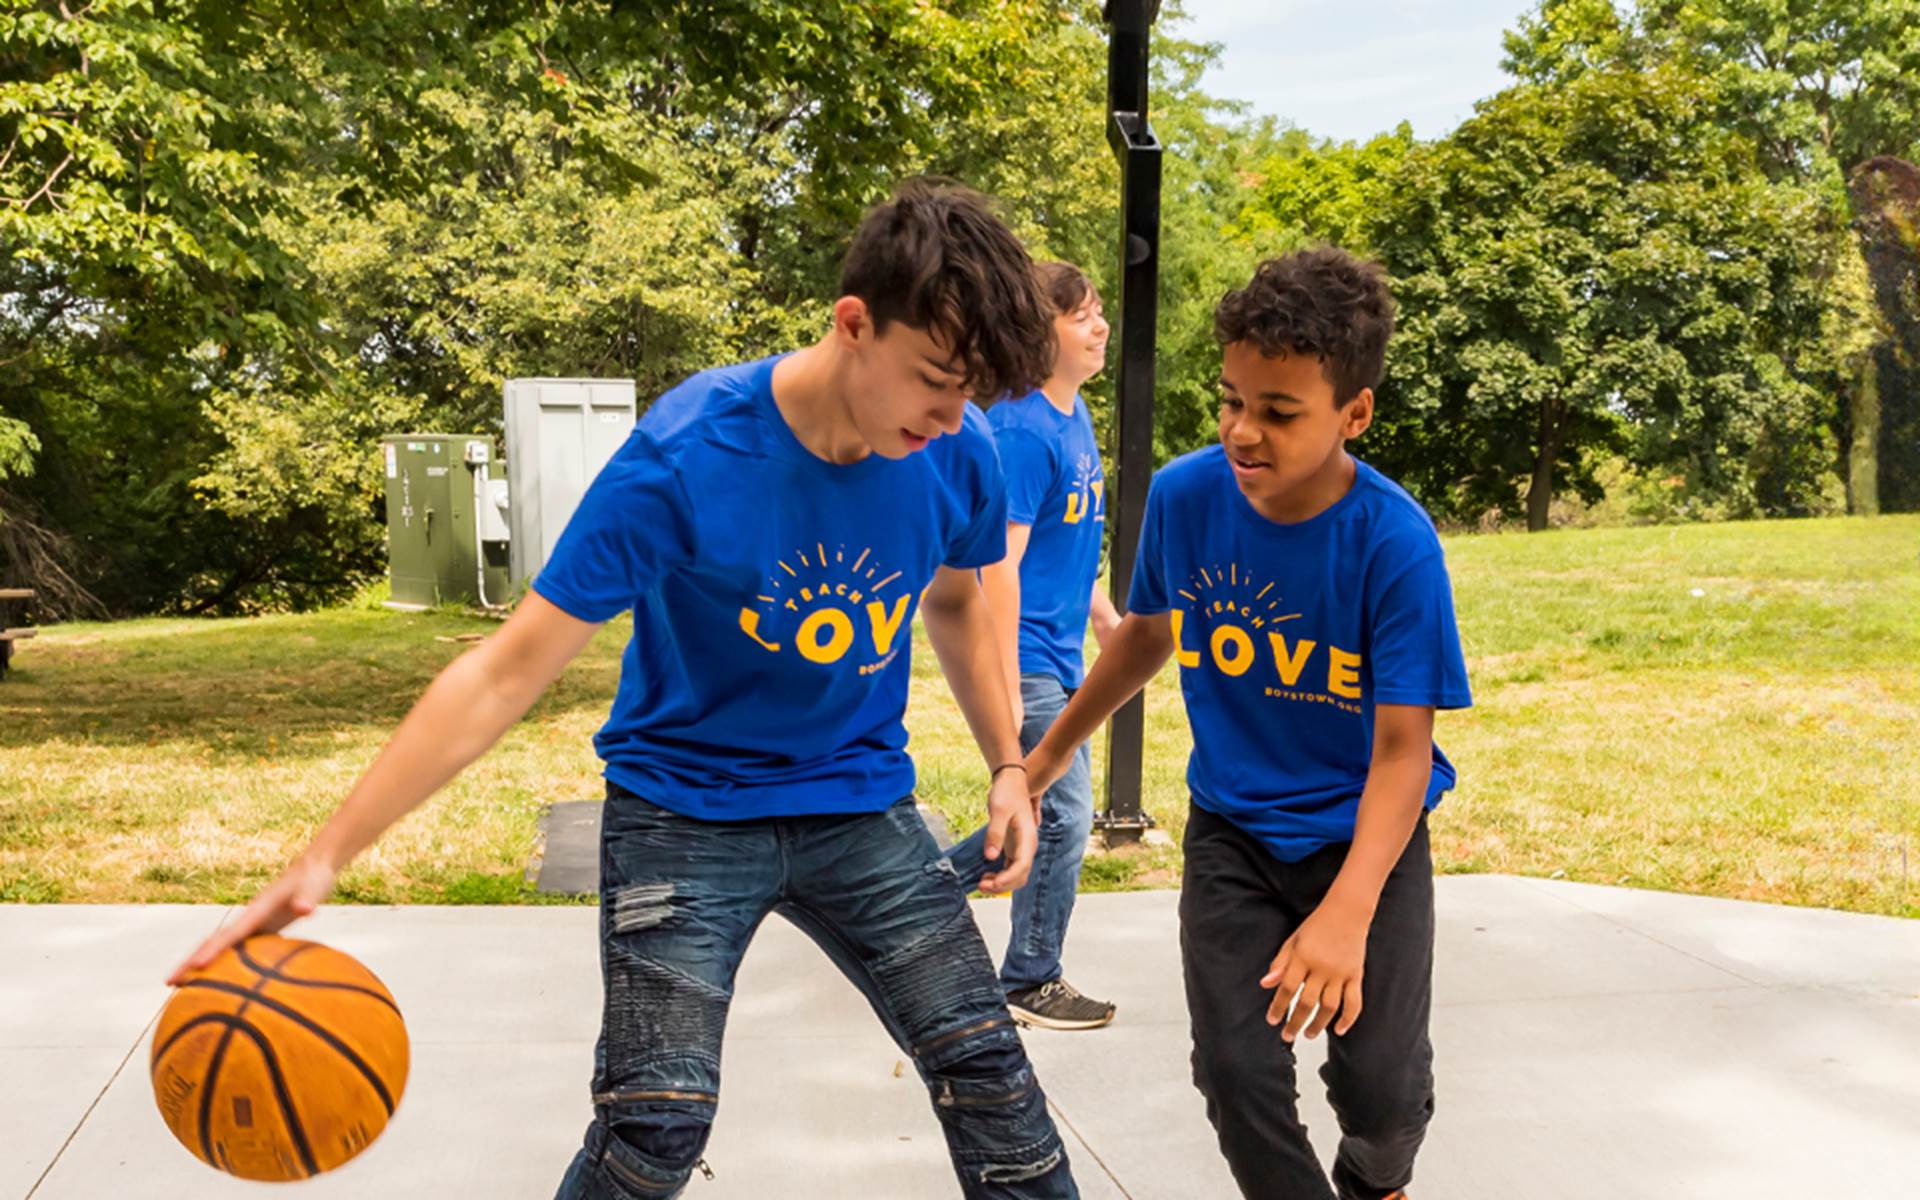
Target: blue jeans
679	901
1043	906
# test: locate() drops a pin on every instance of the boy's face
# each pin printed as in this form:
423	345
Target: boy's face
1081	336
1279	424
903	387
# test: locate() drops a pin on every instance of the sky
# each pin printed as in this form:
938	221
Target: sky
1349	69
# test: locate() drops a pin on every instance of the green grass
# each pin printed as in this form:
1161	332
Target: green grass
1755	740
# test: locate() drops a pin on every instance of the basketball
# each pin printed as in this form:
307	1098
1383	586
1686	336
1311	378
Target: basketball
280	1060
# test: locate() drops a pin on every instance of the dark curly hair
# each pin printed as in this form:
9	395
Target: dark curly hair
1323	302
937	257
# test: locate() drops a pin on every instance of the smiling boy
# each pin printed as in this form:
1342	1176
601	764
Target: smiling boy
1306	599
1045	595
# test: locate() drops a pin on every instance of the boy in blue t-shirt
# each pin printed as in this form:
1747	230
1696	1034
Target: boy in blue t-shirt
1043	594
772	527
1307	602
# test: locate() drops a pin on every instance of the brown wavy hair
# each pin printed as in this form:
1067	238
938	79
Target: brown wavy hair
1065	286
937	257
1322	302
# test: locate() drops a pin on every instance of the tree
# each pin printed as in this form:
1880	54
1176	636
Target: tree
245	241
146	174
1821	87
1886	193
1595	265
1589	267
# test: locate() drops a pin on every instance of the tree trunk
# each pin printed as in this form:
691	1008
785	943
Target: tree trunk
1885	192
1863	457
1540	491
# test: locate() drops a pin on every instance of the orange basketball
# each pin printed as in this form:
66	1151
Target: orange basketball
281	1060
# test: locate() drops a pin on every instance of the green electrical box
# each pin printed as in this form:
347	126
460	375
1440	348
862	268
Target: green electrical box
446	522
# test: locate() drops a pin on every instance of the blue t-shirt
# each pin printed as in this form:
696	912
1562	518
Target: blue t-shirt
773	596
1054	485
1288	635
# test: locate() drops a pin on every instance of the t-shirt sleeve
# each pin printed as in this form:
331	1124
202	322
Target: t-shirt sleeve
1032	470
1416	657
982	541
632	528
1147	593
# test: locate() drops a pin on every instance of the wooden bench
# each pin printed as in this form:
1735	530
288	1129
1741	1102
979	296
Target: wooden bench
9	633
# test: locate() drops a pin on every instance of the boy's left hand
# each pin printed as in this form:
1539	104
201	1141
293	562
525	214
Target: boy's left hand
1322	963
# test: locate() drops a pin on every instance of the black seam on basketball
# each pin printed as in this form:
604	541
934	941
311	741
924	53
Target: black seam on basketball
206	1087
235	1024
294	1126
160	1055
299	948
220	1053
311	1026
274	973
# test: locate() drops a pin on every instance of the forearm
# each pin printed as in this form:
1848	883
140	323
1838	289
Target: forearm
1103	617
463	712
1390	807
964	639
1134	654
1000	583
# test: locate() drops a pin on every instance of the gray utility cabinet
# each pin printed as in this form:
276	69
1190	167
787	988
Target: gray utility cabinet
560	432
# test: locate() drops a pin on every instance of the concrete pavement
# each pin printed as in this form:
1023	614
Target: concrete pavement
1592	1043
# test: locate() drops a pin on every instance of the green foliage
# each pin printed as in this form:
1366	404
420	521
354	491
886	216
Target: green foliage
1332	193
1595	264
1833	80
1821	88
17	447
1601	266
242	242
124	162
283	233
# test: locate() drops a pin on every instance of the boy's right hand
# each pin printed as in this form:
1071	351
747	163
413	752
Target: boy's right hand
1012	834
300	889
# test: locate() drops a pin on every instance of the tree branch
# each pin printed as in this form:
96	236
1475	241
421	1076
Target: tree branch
46	187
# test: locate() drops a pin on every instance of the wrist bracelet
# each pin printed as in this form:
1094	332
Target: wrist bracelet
1005	766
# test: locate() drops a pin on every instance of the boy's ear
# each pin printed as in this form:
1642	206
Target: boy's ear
1358	414
852	320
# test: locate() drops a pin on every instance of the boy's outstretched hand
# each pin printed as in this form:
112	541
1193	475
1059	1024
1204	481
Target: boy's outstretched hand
300	889
1321	963
1013	832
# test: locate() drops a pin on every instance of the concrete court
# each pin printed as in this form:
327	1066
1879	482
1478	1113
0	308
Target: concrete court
1593	1043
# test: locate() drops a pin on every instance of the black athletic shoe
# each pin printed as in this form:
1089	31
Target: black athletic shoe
1058	1005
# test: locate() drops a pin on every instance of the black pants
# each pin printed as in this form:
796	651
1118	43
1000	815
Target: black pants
1237	905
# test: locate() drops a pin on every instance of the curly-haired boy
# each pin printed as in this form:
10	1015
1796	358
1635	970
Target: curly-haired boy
1306	599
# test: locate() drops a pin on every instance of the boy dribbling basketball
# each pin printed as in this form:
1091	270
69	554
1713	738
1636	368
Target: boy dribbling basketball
773	527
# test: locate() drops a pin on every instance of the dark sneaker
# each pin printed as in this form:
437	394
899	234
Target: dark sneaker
1058	1005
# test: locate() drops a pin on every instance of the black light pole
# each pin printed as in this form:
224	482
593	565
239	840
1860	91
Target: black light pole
1139	152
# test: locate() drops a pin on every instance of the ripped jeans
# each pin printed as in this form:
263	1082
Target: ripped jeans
680	899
